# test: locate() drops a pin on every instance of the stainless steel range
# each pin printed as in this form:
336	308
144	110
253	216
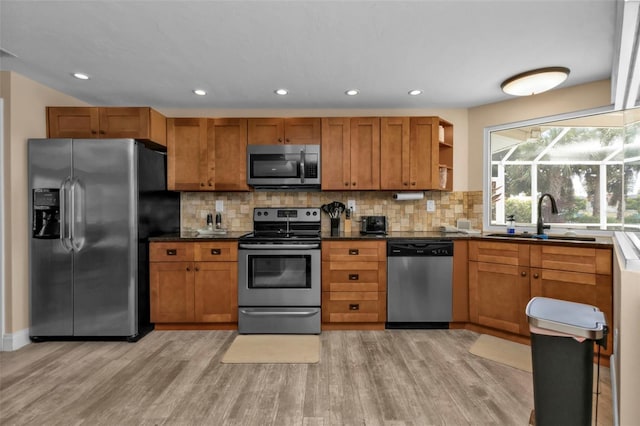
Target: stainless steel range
279	273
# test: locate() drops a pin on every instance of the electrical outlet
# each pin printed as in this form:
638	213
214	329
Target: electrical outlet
431	206
219	205
351	205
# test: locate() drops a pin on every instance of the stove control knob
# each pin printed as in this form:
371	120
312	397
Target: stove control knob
259	213
315	213
266	213
308	213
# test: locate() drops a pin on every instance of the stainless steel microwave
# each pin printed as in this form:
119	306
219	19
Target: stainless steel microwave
283	167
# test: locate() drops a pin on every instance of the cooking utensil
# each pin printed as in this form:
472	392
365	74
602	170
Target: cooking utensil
333	209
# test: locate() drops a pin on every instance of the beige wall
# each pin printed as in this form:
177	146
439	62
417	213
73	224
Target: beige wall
25	102
576	98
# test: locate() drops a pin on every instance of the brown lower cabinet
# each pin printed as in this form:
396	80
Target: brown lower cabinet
504	276
354	284
193	283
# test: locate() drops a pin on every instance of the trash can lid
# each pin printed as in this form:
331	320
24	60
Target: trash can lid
572	318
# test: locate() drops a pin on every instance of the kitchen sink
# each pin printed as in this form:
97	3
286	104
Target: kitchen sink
549	237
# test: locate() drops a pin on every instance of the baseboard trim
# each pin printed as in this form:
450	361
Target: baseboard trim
15	341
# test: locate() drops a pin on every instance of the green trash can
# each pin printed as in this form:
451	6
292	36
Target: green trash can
562	337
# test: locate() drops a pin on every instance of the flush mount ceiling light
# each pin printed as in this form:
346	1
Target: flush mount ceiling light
352	92
199	92
415	92
80	76
281	92
535	81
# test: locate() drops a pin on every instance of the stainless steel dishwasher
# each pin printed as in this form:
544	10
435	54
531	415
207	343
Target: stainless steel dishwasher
419	283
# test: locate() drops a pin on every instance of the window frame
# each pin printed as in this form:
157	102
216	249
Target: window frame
487	172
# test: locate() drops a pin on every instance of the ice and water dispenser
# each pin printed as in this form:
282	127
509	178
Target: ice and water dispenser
46	213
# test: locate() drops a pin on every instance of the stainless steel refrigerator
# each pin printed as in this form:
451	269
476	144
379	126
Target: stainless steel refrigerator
93	205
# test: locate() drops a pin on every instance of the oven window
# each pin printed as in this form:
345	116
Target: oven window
278	271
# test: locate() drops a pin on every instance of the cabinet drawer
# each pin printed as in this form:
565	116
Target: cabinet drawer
170	252
356	306
574	259
499	252
216	251
354	251
351	279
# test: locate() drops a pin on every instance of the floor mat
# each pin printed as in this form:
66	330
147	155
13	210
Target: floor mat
503	351
273	349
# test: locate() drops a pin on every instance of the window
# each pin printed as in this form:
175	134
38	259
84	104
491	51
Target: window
590	165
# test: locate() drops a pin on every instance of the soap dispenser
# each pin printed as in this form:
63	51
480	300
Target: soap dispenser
511	224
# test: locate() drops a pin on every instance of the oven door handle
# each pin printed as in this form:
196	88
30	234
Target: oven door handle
279	246
252	313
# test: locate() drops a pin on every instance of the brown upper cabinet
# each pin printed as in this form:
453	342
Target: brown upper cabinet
274	131
408	151
141	123
207	154
351	153
416	153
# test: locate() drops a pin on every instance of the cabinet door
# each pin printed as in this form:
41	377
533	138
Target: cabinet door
395	150
423	152
216	292
336	154
72	122
171	291
302	131
588	288
265	131
187	158
365	153
498	296
123	122
227	149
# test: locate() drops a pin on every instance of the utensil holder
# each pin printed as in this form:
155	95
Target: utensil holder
335	226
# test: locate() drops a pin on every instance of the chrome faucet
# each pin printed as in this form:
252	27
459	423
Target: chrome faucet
554	210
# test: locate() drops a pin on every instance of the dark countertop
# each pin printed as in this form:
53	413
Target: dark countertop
421	235
193	236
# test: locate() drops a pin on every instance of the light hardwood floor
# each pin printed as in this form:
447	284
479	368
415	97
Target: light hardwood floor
393	377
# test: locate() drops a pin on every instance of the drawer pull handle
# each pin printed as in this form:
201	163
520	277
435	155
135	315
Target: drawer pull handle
535	275
216	251
354	252
172	252
354	277
354	306
188	269
523	273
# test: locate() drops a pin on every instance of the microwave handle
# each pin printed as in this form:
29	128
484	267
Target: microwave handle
302	165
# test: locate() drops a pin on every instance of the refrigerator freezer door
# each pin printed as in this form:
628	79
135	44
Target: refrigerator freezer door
104	235
51	264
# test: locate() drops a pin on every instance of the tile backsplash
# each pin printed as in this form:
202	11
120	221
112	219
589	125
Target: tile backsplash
409	215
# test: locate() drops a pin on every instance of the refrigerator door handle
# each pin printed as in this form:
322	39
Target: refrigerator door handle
65	228
77	215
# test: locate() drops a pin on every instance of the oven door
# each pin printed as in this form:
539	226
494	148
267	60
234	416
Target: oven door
277	276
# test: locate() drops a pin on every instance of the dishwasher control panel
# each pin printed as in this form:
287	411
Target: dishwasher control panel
420	248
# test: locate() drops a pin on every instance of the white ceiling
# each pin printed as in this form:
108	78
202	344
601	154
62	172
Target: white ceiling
155	52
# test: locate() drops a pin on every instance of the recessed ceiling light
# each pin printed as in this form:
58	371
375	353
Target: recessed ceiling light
415	92
199	92
281	92
80	76
352	92
535	81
